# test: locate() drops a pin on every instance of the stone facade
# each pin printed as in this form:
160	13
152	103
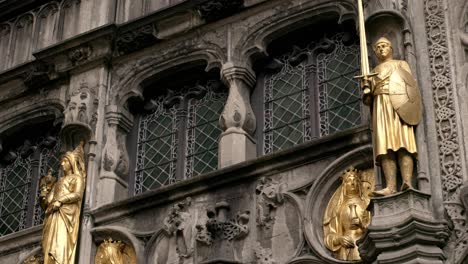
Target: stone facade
73	69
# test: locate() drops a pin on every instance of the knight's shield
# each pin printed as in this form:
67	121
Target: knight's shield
405	96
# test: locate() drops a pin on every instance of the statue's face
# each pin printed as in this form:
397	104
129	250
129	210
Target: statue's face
383	50
351	184
66	166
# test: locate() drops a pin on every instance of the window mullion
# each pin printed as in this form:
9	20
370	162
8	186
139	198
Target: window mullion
313	89
35	165
181	121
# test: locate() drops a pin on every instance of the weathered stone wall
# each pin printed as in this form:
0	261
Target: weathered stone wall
80	62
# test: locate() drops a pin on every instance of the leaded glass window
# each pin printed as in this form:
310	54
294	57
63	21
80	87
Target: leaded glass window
19	178
178	137
310	92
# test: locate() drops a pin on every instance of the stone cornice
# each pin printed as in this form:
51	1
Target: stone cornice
111	40
249	170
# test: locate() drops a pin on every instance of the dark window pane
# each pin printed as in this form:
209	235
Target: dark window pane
203	133
157	149
14	193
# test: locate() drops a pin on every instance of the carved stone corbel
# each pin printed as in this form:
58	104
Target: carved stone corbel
115	164
217	236
403	230
237	120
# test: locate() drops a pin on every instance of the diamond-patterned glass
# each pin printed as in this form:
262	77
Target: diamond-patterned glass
15	184
157	149
340	106
203	133
286	102
287	105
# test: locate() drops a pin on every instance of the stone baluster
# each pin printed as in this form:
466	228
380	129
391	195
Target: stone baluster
113	184
237	120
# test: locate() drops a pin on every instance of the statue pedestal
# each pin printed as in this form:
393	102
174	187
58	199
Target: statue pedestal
403	230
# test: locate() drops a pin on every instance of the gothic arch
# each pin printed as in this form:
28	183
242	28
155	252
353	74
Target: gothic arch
254	43
41	110
129	86
322	190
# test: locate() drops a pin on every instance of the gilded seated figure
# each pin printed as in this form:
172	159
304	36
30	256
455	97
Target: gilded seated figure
61	201
346	216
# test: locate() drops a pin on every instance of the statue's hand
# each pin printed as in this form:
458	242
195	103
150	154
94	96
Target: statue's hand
56	205
346	241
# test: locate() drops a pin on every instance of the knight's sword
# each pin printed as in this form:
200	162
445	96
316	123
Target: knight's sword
365	71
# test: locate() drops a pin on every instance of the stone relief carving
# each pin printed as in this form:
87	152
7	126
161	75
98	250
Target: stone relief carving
176	242
82	106
269	197
177	224
263	255
80	54
135	39
115	252
216	9
446	123
219	234
36	259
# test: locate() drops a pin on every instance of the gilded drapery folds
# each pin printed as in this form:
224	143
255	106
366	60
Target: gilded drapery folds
61	199
346	217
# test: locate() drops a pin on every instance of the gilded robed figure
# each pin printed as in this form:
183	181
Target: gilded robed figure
346	216
61	201
396	110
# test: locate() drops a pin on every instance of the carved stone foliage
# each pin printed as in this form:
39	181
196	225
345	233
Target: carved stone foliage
263	255
216	9
135	39
270	195
218	236
176	243
115	252
80	54
446	123
36	259
82	107
36	74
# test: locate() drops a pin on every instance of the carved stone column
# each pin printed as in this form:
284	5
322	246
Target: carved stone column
237	120
113	182
403	230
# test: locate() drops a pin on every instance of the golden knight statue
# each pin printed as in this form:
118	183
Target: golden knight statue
397	109
61	201
346	217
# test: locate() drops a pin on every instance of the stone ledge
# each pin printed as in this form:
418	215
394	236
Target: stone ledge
19	240
403	230
249	170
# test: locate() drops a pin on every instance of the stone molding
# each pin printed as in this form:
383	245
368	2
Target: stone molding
402	230
305	153
446	121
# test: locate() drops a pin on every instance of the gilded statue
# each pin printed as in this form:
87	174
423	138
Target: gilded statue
396	110
61	201
115	252
346	216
